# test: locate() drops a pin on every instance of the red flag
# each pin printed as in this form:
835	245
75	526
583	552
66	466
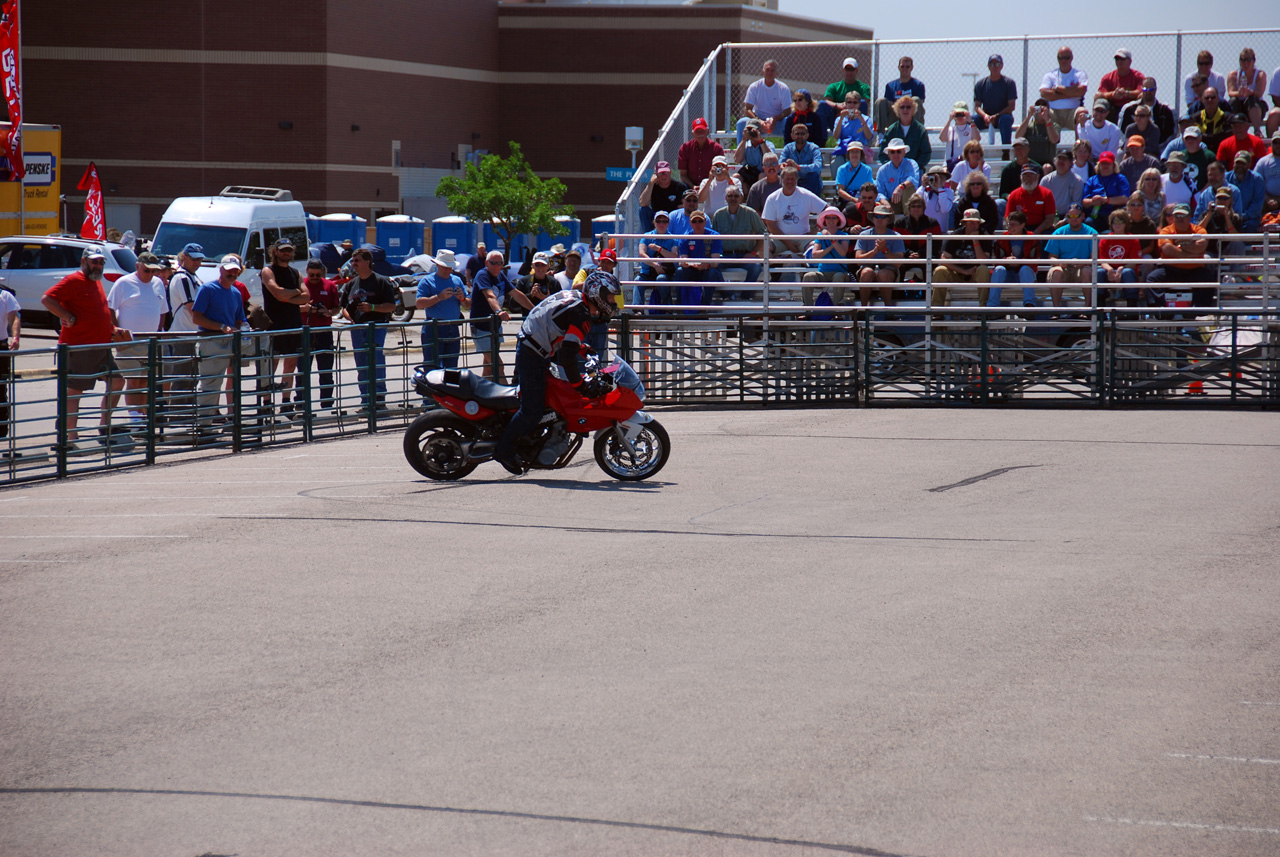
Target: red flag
95	225
10	44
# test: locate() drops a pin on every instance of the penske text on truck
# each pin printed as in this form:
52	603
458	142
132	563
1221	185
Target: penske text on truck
42	154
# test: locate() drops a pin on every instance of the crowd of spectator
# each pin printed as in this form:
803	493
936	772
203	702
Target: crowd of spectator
1108	159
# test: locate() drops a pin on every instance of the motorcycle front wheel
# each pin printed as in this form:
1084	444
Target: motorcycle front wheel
652	449
434	446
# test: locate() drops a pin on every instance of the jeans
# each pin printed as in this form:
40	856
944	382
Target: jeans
360	347
215	357
1004	122
441	344
649	275
531	368
322	354
1127	276
753	269
698	295
1026	274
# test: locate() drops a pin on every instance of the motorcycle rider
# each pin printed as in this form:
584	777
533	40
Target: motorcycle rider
555	329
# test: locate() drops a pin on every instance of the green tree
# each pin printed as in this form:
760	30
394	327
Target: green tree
507	193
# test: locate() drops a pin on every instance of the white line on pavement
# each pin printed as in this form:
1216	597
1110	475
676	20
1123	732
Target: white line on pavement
51	537
1188	825
1247	702
1223	758
31	561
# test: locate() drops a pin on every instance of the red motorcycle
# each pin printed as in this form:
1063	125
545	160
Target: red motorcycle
448	444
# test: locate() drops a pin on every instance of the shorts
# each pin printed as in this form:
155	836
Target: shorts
876	269
131	358
83	365
482	342
285	344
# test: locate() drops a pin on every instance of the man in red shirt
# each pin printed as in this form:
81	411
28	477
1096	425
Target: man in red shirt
695	156
80	304
1035	201
1122	85
325	304
1241	141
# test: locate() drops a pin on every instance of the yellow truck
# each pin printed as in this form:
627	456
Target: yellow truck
42	187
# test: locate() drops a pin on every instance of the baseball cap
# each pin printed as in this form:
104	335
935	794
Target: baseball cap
1223	192
151	261
662	167
690	194
1247	157
541	258
1275	138
283	243
1193	131
1136	140
1181	208
1029	167
1124	54
663	215
699	123
849	62
610	255
574	251
94	252
1238	117
995	58
231	262
855	145
961	106
1179	156
1101	103
1021	141
697	215
719	159
193	251
1107	157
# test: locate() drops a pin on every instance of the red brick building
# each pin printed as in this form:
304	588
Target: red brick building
362	107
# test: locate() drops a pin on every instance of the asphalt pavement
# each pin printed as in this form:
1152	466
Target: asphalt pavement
879	632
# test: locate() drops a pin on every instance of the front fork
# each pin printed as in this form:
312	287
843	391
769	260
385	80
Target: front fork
629	429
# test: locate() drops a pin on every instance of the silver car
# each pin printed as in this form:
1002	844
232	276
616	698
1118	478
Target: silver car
31	264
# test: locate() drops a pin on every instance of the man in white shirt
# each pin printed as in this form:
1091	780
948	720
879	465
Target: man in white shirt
1176	184
137	303
768	99
181	365
1102	134
1065	88
787	212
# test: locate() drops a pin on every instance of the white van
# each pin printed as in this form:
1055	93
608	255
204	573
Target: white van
240	220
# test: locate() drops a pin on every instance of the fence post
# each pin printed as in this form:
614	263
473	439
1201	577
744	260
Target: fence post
495	330
928	314
1026	58
983	367
1177	76
60	442
742	360
302	384
768	284
237	391
153	384
875	81
728	85
1235	355
371	376
1107	379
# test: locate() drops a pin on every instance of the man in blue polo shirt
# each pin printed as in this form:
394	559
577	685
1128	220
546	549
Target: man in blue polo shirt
1070	249
442	296
699	245
218	312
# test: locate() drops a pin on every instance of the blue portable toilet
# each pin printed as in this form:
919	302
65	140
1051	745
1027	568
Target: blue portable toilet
336	228
493	242
400	235
313	228
604	223
544	241
453	233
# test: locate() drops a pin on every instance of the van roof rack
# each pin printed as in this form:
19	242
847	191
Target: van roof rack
274	194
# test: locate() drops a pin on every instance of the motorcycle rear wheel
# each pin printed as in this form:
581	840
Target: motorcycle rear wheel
652	446
433	446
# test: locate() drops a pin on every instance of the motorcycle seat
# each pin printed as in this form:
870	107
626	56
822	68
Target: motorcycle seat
462	384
